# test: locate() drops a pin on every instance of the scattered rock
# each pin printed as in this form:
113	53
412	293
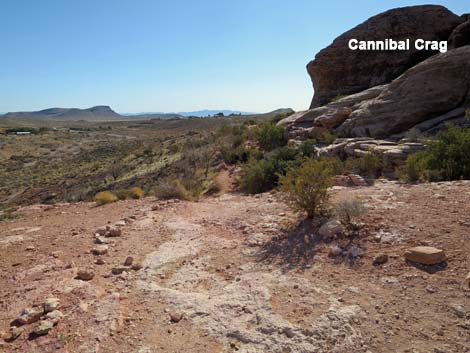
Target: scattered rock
289	332
100	250
129	261
13	334
357	180
467	281
51	304
29	315
380	259
30	248
118	270
458	310
354	252
136	267
335	250
43	328
426	255
99	261
176	317
331	230
101	231
85	274
114	232
120	223
101	240
54	316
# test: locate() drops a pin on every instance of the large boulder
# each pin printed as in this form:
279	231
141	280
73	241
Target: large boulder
338	71
432	88
425	97
460	36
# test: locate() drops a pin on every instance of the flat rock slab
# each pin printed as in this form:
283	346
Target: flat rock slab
426	255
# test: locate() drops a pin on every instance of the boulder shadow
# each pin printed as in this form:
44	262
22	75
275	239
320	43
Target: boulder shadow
431	269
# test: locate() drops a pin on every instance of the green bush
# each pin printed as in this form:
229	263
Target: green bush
414	168
258	176
7	213
448	156
307	148
370	165
263	175
123	194
240	154
270	136
306	187
324	137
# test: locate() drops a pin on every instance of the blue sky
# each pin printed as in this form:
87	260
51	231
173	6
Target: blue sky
150	55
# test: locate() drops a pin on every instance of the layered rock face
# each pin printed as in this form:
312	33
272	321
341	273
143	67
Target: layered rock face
337	70
424	97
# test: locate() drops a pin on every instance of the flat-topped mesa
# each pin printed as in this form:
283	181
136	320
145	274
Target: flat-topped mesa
337	71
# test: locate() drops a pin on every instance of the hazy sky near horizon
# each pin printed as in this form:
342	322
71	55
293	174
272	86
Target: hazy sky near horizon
150	55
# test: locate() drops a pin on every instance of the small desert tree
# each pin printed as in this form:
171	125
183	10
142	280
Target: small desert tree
306	187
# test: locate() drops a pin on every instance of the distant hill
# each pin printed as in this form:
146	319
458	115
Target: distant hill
199	113
105	113
101	112
282	111
207	112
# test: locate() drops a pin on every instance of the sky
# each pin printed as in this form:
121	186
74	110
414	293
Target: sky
175	55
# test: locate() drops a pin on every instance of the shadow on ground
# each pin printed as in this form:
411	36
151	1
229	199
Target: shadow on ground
296	248
293	248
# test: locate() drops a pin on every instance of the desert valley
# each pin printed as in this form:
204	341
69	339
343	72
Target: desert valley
341	228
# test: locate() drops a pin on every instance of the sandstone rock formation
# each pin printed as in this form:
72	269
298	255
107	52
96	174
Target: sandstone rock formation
425	97
337	70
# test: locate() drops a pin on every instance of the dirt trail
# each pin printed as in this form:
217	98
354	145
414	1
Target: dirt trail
223	275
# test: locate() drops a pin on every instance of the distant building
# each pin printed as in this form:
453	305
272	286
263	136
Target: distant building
18	132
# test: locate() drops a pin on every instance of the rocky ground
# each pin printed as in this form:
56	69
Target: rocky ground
235	273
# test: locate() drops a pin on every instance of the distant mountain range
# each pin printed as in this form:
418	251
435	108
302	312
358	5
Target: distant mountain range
198	113
105	113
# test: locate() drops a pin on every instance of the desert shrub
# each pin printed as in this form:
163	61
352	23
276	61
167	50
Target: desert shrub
104	197
348	210
414	135
306	187
282	156
369	165
192	187
213	188
258	176
123	194
232	155
270	136
307	148
262	175
182	189
167	190
414	168
448	156
137	193
324	137
7	213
